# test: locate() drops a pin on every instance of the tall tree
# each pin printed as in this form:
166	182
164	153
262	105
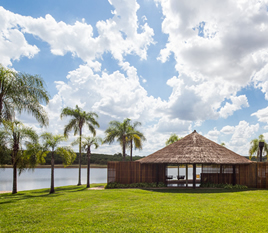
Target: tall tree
119	131
254	147
13	135
173	138
135	136
86	144
22	92
51	144
79	119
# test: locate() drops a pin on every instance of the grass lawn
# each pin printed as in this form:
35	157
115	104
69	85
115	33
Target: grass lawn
76	209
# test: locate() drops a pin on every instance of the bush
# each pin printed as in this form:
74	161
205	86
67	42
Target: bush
225	186
134	185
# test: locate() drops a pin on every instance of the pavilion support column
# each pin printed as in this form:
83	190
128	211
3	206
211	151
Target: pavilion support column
234	175
178	174
186	175
194	175
157	174
221	178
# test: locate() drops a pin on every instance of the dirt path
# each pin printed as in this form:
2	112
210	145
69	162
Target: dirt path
5	192
97	188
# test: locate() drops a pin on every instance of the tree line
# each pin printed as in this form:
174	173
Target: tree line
20	92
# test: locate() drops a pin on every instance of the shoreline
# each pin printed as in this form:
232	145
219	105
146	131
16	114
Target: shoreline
62	166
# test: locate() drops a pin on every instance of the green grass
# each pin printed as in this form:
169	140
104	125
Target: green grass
76	209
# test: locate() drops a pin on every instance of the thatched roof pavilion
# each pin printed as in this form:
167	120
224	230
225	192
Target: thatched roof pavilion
195	149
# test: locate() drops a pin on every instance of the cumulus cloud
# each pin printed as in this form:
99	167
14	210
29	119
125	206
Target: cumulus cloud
262	115
213	135
118	35
240	140
215	55
228	129
237	103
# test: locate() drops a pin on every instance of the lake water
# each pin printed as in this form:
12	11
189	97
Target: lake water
40	177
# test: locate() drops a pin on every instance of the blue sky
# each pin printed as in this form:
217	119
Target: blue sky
175	66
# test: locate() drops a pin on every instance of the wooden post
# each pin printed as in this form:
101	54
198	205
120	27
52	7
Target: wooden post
221	177
234	175
186	175
194	175
157	174
178	174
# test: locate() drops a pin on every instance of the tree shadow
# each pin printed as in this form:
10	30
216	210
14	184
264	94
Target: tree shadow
197	190
7	198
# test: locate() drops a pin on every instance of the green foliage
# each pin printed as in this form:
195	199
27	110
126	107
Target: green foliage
173	138
134	185
78	119
67	154
254	147
224	186
125	133
22	92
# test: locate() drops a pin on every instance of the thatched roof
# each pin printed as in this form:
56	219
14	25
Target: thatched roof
195	148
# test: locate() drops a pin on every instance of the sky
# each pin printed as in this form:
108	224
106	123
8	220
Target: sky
175	66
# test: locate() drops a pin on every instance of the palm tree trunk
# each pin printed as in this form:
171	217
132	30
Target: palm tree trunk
88	167
14	162
52	173
79	172
14	190
131	150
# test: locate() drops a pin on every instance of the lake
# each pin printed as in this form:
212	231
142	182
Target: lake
40	177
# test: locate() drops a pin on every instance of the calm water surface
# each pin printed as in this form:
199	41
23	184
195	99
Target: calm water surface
40	177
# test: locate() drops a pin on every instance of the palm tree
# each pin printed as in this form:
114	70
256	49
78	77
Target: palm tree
173	138
22	92
13	134
51	143
254	148
136	136
79	119
119	131
86	144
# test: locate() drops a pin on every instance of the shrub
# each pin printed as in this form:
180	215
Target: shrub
225	186
134	185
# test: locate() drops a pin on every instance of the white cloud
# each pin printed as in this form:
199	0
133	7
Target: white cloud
237	103
240	140
216	56
262	115
118	35
213	135
228	129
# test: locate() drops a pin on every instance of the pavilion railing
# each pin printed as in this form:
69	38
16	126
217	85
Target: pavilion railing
135	172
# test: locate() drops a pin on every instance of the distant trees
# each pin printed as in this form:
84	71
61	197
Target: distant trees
173	138
22	92
51	144
78	119
254	147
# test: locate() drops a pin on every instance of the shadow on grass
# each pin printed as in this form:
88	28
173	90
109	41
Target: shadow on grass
198	190
8	198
